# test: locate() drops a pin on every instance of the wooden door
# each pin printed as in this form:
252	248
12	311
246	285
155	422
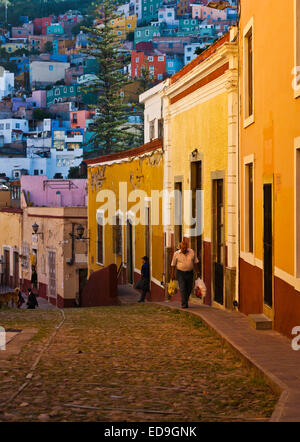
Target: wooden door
218	241
268	246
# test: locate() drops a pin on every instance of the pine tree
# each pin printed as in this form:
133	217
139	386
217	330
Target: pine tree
111	131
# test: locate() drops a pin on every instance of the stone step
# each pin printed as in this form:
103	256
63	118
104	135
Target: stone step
260	322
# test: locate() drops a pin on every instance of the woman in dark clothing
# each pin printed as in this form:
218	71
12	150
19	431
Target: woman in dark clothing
145	272
32	301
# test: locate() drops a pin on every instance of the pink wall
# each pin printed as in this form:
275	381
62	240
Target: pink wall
54	193
40	98
82	116
205	12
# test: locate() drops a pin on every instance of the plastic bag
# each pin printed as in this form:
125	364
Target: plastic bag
200	288
172	288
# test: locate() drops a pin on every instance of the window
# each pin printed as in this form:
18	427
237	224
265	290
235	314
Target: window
150	58
100	239
56	91
249	208
161	58
248	75
147	33
17	125
1	126
151	130
159	76
170	64
138	33
7	126
117	237
36	172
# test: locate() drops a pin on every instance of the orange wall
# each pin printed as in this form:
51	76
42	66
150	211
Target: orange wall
271	137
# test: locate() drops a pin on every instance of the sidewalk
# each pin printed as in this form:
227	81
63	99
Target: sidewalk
268	352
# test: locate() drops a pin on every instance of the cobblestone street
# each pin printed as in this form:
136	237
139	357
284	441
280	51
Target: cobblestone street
126	363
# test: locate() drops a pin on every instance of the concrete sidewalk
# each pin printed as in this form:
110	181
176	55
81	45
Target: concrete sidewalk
268	352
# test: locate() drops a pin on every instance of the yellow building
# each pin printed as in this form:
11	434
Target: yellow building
11	222
200	143
124	25
125	233
270	162
13	46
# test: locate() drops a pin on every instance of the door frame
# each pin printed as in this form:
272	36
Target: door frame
217	175
267	310
130	220
197	157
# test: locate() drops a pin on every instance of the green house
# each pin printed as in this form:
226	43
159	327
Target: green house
62	93
146	33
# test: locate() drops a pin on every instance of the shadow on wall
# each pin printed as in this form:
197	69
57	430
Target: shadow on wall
101	288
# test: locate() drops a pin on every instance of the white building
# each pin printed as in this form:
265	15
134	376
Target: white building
12	129
136	6
168	16
7	82
153	112
189	51
47	72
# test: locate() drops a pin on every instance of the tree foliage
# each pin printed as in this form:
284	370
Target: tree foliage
110	127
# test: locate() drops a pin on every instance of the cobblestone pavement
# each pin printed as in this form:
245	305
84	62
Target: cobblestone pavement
126	363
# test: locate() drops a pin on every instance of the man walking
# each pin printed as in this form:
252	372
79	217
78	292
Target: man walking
184	260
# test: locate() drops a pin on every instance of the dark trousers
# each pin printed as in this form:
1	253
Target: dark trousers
145	288
185	282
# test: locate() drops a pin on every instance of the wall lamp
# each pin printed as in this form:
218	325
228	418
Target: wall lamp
194	153
35	228
79	235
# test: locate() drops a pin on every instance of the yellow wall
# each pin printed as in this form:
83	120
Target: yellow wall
11	235
203	127
144	174
121	24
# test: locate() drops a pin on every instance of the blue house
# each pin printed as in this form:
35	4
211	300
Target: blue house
174	64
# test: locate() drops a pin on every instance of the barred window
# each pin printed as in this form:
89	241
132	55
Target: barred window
100	241
117	237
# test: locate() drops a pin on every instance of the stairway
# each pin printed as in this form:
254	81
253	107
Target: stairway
260	322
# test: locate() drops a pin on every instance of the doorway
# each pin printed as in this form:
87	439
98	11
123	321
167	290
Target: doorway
196	184
268	249
129	252
218	245
6	270
82	275
52	274
16	274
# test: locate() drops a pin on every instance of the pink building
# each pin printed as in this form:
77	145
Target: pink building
22	31
41	24
204	12
39	191
81	118
54	238
39	98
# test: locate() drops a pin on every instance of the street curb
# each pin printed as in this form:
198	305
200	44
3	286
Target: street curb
276	384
